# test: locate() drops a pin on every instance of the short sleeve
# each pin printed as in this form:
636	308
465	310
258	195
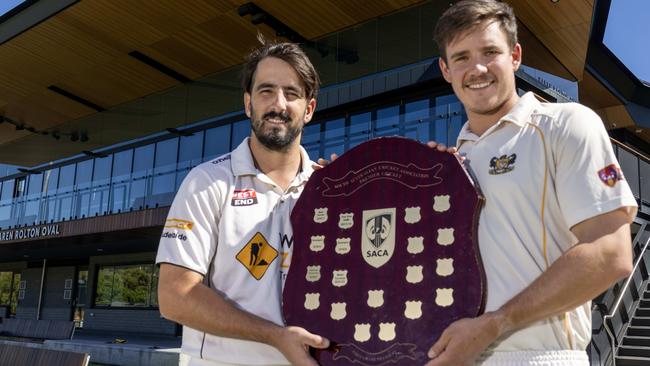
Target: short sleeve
189	237
589	181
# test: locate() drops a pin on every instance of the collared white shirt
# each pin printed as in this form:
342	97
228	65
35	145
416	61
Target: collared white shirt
230	223
543	168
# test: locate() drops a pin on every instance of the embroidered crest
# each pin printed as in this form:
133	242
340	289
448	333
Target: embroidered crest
502	164
610	175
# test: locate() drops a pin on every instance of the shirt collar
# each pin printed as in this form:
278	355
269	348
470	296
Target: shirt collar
519	115
243	163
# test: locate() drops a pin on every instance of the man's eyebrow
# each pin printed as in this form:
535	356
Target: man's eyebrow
458	54
265	85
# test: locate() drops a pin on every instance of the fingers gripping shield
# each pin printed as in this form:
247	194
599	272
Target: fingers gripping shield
385	256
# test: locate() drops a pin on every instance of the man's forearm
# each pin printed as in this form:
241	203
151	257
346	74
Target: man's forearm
579	275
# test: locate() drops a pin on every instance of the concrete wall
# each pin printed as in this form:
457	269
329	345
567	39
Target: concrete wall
28	306
128	320
54	306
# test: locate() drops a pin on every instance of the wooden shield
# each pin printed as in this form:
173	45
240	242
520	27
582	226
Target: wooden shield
385	254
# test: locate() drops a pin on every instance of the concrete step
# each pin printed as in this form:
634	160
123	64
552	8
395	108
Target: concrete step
636	341
632	361
635	351
642	312
640	321
636	331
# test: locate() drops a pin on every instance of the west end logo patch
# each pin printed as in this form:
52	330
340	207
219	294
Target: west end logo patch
378	236
257	255
174	223
502	164
610	175
244	197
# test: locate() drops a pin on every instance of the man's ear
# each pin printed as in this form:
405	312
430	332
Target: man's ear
309	111
445	70
247	104
516	56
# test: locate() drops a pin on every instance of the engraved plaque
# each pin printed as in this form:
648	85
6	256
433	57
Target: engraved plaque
385	256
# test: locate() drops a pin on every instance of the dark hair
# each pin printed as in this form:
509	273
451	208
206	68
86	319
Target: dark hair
290	53
465	15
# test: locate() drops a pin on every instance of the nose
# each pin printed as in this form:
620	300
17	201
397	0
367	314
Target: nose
478	67
280	101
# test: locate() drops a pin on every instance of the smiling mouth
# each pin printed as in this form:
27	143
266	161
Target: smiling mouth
275	121
476	86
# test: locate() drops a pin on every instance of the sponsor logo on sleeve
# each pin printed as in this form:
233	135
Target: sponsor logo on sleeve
502	164
221	159
172	235
174	223
610	175
257	255
244	197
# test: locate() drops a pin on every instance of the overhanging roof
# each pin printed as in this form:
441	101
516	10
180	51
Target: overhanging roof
82	59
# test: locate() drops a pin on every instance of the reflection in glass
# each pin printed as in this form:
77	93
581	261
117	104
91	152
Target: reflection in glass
240	130
99	198
164	174
122	162
126	286
217	142
142	167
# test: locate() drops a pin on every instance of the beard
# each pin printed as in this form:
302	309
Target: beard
277	138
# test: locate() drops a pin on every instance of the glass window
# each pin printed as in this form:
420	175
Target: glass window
164	179
50	180
357	51
416	123
217	142
7	190
9	282
387	123
360	126
189	155
126	286
84	173
142	169
122	162
311	140
82	183
334	137
35	184
121	177
66	179
99	198
240	130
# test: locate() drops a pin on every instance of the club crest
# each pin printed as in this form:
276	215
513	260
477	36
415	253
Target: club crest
502	164
610	175
378	236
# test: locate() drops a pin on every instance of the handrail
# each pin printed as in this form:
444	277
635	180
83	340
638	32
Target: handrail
631	150
619	300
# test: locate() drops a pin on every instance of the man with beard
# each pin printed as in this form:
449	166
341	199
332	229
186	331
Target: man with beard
554	231
224	257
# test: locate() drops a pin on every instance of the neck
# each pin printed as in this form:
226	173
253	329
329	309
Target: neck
281	166
481	122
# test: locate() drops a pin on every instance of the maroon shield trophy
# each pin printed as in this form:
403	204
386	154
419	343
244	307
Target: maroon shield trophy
385	254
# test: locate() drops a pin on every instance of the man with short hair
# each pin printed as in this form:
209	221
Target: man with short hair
554	231
221	271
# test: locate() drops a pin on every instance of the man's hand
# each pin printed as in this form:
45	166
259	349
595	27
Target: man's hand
324	162
464	340
294	343
442	147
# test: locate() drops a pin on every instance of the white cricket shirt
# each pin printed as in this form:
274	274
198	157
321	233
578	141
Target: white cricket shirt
230	223
543	168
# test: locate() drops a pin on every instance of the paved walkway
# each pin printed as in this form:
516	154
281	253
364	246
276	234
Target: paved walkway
124	349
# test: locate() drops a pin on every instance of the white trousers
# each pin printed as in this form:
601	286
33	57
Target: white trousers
535	358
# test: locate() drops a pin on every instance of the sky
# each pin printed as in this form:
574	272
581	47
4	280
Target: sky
6	5
627	35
